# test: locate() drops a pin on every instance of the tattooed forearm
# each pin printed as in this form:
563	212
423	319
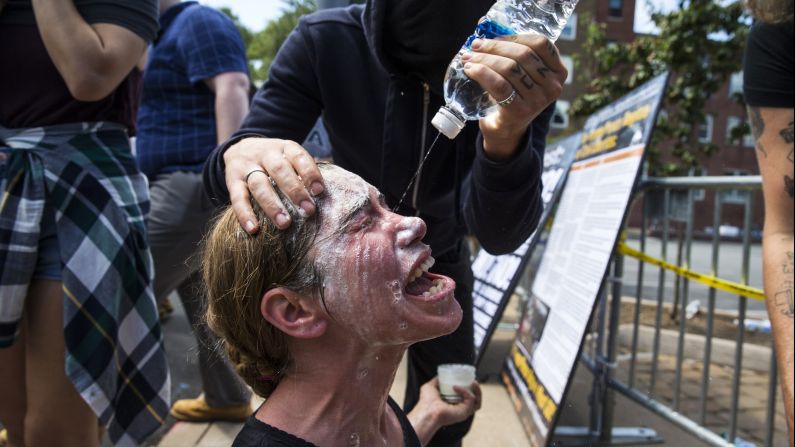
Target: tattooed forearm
757	123
523	77
788	134
784	301
784	297
761	148
757	127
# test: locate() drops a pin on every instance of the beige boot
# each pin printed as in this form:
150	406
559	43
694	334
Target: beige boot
197	410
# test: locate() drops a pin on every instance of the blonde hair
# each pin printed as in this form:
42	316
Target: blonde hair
238	269
771	11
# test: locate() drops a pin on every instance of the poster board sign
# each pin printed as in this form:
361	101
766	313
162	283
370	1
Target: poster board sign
496	277
592	209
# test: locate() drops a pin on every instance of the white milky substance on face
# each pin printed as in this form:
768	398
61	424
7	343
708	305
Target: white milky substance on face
412	227
345	192
365	263
397	291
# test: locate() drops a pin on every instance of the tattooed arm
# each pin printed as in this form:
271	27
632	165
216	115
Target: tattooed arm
773	132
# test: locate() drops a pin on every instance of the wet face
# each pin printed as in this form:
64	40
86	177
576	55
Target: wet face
375	267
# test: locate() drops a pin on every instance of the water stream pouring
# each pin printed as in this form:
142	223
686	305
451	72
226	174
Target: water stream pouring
416	174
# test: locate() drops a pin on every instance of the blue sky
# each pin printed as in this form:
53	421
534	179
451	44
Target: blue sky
253	13
256	13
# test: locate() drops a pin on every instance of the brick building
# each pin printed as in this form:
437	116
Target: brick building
723	113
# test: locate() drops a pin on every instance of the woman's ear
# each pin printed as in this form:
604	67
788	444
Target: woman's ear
293	313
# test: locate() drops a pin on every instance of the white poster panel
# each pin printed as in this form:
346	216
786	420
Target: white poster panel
496	276
576	258
566	285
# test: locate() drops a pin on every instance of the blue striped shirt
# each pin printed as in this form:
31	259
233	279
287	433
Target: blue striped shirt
176	121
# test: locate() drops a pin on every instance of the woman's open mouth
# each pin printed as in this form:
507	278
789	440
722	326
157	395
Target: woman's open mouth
426	286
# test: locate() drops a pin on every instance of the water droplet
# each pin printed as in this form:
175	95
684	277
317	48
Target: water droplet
404	326
363	373
354	441
394	286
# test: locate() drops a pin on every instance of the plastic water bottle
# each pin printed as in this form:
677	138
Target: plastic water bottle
464	98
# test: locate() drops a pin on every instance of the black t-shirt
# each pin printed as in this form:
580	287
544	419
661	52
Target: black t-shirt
256	433
767	66
33	93
138	16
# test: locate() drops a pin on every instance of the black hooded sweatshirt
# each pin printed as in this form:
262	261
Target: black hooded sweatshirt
373	72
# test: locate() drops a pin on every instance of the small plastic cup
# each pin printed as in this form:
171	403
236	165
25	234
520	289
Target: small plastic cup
454	374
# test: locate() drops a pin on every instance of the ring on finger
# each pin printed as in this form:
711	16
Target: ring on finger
255	171
507	101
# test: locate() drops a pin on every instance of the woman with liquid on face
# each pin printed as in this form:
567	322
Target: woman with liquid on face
317	318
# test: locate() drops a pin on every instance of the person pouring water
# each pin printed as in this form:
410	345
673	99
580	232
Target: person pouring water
374	73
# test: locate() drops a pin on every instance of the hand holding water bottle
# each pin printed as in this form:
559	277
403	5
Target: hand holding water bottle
506	73
525	74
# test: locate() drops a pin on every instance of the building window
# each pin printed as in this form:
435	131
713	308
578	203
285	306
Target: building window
736	196
560	119
736	84
570	30
698	194
731	123
615	8
568	62
705	129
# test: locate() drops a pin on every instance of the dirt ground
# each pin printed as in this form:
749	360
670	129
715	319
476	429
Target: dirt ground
724	324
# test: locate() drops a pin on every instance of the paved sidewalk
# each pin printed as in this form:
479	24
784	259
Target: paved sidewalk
752	404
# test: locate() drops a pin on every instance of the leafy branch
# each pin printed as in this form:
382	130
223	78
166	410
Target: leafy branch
701	44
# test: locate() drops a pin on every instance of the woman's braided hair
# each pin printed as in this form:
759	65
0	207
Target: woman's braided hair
238	269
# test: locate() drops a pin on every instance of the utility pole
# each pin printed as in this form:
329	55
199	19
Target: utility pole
325	4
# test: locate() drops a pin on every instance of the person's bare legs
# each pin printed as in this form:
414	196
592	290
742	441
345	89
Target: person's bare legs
56	414
12	388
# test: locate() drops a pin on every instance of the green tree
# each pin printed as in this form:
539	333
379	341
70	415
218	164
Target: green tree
701	44
268	41
262	45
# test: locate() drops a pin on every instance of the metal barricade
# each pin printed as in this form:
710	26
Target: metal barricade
603	353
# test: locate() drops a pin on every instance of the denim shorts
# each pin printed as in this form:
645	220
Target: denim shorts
48	261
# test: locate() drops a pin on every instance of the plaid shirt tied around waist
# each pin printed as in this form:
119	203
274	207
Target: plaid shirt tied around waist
114	344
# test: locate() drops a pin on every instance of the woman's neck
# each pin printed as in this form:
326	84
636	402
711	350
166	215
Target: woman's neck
338	397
